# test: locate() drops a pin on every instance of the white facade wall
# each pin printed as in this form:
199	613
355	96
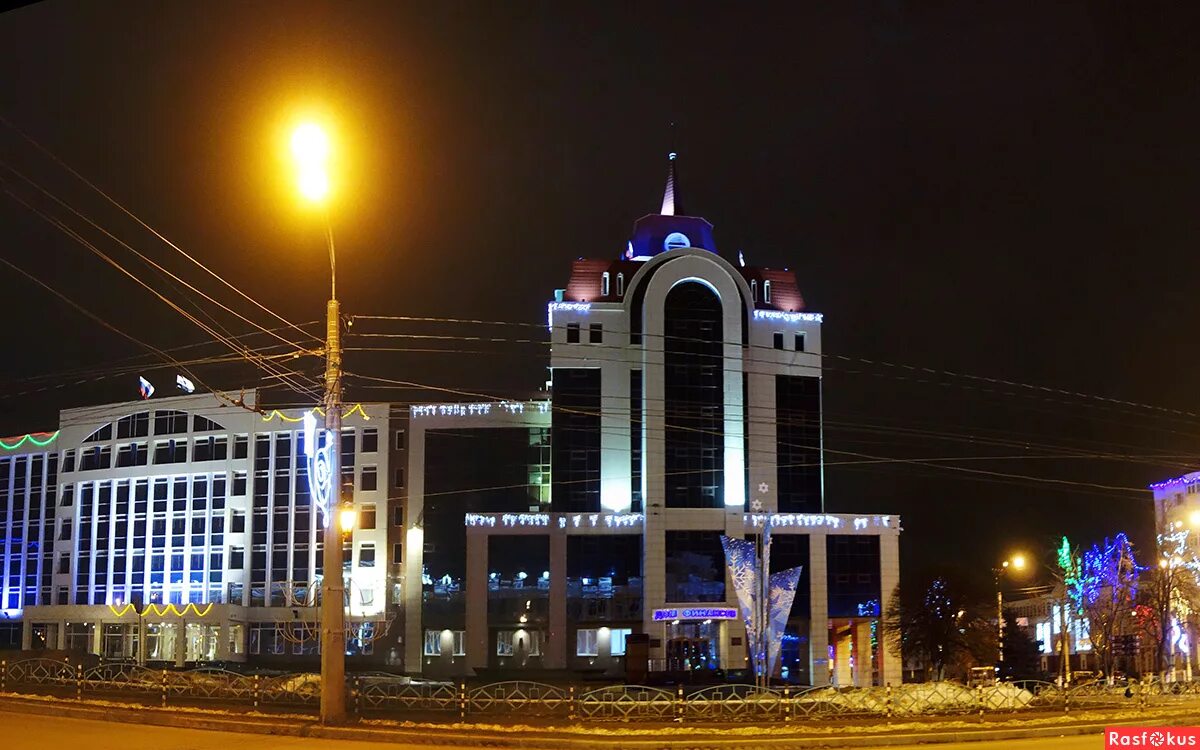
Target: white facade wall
109	567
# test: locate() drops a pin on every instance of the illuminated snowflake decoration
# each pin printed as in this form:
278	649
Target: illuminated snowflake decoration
763	487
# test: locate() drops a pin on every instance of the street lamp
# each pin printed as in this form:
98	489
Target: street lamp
311	150
1016	562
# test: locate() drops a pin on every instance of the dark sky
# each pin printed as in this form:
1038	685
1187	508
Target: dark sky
1003	190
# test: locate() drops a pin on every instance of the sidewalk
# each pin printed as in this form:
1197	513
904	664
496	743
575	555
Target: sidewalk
775	736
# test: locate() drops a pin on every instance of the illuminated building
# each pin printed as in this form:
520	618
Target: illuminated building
685	403
180	530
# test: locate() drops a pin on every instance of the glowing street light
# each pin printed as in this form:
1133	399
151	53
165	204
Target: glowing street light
310	149
1016	562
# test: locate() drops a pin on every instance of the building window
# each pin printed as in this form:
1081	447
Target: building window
460	643
778	340
604	284
241	445
596	333
799	342
369	480
135	425
620	285
504	638
366	556
400	438
170	452
617	647
572	333
767	291
585	642
398	515
170	422
366	517
370	440
754	290
398	477
433	643
397	553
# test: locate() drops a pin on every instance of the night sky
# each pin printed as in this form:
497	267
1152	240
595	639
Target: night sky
994	196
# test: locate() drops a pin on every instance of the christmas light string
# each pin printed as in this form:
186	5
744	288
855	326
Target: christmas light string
32	437
158	611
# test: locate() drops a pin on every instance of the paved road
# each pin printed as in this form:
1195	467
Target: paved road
28	732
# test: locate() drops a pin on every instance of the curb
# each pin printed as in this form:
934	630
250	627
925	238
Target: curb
549	740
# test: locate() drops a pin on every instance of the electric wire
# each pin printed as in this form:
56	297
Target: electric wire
285	376
55	158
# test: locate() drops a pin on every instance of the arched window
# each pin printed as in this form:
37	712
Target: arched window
604	284
754	290
767	291
694	397
620	285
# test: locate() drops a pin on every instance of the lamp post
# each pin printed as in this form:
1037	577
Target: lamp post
1016	562
310	148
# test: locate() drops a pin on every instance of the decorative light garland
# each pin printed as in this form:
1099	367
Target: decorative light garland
575	520
157	611
276	413
476	409
789	317
29	438
578	307
755	520
1185	479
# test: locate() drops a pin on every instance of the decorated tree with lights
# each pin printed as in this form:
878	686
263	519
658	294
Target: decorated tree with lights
1105	592
1170	593
1068	573
941	627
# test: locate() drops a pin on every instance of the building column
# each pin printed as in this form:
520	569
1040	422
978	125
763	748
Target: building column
62	635
181	643
891	666
223	640
818	619
864	666
98	638
843	647
141	644
555	656
477	600
27	635
414	551
616	492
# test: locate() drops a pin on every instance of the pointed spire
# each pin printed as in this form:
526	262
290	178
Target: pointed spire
668	204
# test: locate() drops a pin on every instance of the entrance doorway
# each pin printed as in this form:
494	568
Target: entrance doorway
692	646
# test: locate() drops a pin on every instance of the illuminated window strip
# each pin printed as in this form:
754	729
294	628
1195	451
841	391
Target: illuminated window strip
161	611
276	413
30	438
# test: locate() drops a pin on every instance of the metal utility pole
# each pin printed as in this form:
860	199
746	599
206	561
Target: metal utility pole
333	637
999	620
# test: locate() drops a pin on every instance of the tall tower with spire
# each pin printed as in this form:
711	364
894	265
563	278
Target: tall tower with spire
668	204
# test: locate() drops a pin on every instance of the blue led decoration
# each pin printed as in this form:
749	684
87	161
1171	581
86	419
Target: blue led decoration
320	465
781	594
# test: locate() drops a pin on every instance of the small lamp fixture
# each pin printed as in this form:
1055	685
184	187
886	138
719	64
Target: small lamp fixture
347	518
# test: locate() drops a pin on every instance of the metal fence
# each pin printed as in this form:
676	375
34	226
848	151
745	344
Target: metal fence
380	695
